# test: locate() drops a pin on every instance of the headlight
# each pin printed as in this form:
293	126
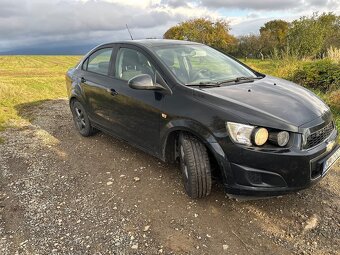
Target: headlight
240	133
279	138
251	135
260	136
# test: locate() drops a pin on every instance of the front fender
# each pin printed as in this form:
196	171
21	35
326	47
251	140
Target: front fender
194	128
201	133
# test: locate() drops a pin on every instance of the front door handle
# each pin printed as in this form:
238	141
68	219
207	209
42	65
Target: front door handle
113	92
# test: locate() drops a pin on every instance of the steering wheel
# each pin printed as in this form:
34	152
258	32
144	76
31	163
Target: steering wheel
202	73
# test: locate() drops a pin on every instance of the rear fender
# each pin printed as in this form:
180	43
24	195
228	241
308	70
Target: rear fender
76	92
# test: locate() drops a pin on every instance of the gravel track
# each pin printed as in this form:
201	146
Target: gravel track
61	193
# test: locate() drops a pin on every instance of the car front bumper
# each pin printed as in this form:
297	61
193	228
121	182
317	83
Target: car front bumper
252	172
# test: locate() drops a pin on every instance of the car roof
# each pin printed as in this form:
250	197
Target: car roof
149	43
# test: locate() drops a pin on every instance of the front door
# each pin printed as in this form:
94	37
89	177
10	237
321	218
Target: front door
135	115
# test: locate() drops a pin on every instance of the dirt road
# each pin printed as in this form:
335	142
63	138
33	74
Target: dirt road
61	193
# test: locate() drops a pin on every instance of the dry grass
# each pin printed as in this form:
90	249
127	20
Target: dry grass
28	79
334	54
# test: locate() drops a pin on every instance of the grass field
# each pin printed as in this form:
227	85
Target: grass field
30	79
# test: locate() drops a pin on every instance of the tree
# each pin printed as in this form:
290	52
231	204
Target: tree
251	46
203	30
311	36
331	29
274	33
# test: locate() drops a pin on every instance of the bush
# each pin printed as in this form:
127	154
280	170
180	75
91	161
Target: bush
323	75
334	100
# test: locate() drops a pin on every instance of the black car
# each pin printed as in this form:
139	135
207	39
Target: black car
180	100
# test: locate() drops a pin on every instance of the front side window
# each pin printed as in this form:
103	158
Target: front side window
99	61
130	63
193	64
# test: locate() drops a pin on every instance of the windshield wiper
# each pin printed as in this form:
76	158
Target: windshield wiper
219	83
205	84
238	79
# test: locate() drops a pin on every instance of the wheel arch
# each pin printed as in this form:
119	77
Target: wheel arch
75	95
169	137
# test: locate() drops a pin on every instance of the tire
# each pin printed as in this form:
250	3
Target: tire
81	119
195	166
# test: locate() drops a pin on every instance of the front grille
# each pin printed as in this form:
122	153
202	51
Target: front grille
319	136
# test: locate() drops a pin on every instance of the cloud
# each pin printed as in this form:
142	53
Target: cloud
29	23
252	5
250	26
25	22
271	5
175	3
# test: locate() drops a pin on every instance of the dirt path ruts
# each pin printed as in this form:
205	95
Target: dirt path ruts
61	193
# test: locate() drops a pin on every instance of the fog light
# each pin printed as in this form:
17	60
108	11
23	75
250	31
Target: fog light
254	178
279	138
260	136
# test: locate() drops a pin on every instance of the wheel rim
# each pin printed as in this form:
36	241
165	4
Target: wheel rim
79	118
185	168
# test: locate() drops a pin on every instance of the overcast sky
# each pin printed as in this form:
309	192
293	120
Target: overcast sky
69	23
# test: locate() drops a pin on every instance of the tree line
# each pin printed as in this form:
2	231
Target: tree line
307	37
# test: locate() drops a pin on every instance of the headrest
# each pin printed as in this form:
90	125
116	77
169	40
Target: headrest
130	58
168	58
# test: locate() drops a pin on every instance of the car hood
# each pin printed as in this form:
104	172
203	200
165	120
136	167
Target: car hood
270	102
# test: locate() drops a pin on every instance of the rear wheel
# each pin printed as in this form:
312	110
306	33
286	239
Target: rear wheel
81	119
195	166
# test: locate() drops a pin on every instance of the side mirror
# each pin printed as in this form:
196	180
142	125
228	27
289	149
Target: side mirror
143	82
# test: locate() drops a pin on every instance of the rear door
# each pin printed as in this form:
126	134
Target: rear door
95	81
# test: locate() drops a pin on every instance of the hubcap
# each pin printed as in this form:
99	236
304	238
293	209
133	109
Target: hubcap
185	168
80	119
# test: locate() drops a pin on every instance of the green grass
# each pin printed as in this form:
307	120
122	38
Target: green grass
278	68
28	79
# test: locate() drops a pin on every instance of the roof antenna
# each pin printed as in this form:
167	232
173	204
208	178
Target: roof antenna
129	31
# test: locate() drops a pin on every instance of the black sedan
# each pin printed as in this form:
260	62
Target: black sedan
186	102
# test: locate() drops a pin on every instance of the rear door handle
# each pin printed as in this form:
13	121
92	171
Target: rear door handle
82	79
113	92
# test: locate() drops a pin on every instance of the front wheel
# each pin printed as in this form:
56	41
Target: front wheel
195	166
81	119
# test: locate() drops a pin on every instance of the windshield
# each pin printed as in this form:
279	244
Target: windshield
194	64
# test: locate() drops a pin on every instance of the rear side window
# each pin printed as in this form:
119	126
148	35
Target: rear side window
99	61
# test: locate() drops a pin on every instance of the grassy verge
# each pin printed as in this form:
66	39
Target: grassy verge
28	79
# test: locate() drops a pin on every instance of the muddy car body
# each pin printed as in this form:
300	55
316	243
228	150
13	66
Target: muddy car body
261	135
